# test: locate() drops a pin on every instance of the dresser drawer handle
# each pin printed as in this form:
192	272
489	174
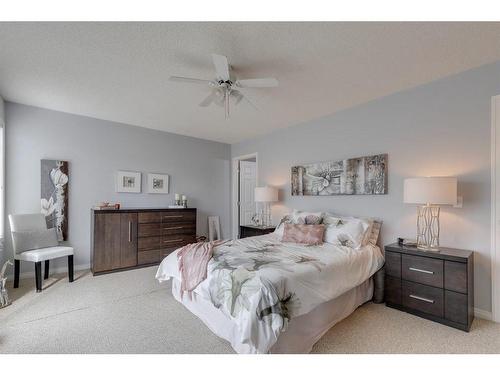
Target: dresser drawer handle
168	241
421	298
420	270
172	216
172	228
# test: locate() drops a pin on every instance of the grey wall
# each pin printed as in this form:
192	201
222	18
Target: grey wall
438	129
96	149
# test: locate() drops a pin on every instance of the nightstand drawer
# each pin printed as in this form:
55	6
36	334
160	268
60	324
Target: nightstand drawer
422	270
250	231
423	298
392	264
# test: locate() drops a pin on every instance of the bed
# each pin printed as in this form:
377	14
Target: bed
266	296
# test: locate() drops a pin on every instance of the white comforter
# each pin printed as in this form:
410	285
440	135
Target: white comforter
261	283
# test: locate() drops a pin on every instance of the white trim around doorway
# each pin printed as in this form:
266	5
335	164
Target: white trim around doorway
495	252
235	217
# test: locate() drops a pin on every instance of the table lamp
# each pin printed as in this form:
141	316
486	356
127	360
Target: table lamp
266	195
429	193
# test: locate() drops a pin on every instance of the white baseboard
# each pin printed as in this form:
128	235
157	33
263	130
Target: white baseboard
31	275
482	314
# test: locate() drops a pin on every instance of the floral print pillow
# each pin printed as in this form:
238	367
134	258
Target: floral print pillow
344	231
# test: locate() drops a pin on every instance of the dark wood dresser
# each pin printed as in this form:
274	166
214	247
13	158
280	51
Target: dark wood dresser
251	230
131	238
434	285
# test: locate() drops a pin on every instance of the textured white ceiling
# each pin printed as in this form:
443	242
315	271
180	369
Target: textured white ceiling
119	71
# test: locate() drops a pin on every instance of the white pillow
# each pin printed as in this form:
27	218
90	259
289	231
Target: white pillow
345	231
280	229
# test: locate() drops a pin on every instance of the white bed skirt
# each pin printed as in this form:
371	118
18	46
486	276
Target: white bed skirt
302	331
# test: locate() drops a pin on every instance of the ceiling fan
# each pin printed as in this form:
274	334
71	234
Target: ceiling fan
224	86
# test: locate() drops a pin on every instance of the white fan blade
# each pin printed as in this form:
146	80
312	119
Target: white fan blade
257	82
251	103
189	80
238	96
208	100
221	67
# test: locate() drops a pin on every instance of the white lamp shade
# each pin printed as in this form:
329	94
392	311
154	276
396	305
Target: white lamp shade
431	190
266	194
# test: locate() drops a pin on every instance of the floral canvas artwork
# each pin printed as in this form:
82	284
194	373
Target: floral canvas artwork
364	175
54	196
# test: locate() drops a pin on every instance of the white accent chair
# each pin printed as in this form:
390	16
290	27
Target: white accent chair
33	250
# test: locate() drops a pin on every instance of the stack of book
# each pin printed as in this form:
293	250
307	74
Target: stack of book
107	206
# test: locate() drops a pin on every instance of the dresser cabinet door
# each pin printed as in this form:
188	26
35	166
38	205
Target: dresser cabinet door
107	242
115	241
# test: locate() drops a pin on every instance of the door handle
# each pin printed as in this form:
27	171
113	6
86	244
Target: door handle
422	298
421	270
170	216
129	231
172	228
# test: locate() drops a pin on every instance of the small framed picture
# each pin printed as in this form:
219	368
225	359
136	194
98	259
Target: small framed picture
128	182
157	183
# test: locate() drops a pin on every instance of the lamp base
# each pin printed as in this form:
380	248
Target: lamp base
429	249
428	228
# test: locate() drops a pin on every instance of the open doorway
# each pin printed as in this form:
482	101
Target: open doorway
244	183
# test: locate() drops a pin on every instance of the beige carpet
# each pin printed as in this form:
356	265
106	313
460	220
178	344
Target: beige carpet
129	312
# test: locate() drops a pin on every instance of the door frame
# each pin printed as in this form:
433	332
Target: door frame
495	251
235	216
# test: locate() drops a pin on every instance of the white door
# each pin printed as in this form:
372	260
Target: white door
248	176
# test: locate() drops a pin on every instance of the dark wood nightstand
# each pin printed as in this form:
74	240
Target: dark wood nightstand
434	285
251	230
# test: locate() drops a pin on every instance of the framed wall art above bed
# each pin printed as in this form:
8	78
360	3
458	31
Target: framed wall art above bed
365	175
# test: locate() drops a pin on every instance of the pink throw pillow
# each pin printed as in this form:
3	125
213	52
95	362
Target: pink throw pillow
302	233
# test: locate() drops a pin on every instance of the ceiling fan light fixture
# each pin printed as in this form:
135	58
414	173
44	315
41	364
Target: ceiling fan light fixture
223	87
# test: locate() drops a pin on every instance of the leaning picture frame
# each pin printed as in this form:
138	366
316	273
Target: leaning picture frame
128	182
214	228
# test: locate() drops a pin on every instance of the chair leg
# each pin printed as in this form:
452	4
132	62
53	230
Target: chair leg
70	268
38	276
46	270
17	267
